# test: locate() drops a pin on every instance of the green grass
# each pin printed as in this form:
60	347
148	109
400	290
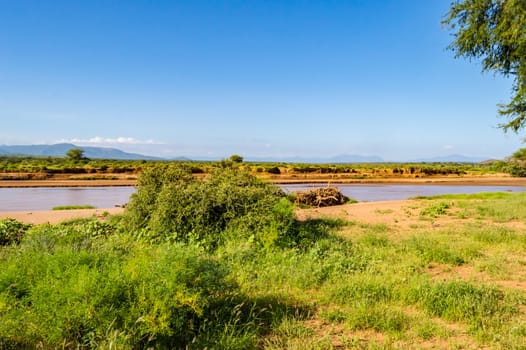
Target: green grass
70	207
497	206
436	209
472	196
91	284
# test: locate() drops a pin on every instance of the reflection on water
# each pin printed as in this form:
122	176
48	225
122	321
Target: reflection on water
45	198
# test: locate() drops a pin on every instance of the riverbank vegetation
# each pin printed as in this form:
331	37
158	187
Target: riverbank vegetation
70	207
228	266
44	168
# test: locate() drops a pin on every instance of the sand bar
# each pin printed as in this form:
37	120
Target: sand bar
56	216
482	180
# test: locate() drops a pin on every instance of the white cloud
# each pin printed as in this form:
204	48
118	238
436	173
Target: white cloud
448	147
97	140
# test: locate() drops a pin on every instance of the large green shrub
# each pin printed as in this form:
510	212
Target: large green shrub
172	205
149	185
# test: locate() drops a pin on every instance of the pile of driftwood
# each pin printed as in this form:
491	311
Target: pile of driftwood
320	197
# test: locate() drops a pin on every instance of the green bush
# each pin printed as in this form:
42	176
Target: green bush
12	231
274	170
171	205
77	234
517	169
149	184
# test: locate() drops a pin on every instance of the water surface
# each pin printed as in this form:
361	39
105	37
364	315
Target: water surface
387	192
45	198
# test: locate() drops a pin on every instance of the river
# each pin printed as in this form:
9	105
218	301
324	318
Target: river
45	198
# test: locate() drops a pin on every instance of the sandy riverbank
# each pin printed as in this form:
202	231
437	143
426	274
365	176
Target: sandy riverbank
400	215
65	183
366	211
56	216
482	180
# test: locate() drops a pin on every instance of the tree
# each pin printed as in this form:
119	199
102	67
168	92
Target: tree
494	31
75	154
520	155
235	158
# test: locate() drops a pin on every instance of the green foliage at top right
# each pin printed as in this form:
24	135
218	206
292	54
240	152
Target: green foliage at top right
494	31
519	155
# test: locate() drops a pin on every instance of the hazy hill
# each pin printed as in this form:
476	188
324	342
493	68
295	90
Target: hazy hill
60	149
453	158
344	158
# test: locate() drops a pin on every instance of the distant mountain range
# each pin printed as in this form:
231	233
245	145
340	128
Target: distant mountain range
455	158
343	158
60	149
352	158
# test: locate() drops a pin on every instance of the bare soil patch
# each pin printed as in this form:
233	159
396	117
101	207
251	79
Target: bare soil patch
68	180
67	183
399	215
57	216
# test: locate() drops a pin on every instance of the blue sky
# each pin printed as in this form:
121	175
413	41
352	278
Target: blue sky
256	78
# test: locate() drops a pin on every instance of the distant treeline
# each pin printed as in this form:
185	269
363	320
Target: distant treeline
57	165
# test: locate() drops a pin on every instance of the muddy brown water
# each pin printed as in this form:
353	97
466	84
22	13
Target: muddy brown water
46	198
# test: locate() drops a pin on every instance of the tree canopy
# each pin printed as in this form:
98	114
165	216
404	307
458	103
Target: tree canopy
494	31
236	158
75	154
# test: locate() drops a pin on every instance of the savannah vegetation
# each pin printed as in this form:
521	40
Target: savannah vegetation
79	167
223	263
227	265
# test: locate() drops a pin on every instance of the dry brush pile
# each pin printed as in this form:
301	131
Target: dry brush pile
321	197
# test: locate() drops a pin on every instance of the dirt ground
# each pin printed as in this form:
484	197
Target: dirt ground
402	213
499	179
56	216
399	215
66	183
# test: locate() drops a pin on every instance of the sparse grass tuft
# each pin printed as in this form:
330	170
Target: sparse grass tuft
70	207
472	196
436	209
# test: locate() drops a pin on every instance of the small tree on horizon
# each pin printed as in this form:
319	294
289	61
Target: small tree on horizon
236	158
75	155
